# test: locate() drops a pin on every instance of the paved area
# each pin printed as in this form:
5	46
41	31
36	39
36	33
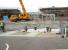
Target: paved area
17	40
49	34
32	43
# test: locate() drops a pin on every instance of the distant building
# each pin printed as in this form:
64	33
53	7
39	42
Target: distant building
8	12
58	11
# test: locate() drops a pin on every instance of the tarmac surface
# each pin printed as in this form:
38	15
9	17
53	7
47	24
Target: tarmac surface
32	43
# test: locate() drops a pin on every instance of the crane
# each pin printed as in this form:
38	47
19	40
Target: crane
22	16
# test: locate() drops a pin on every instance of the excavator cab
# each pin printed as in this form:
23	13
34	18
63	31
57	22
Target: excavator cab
25	17
13	18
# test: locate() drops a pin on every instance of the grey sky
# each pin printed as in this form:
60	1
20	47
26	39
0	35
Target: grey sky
33	5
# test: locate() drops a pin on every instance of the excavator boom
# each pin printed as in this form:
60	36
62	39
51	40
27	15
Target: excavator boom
22	5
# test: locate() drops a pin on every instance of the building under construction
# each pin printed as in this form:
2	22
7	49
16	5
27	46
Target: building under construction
61	17
61	12
58	11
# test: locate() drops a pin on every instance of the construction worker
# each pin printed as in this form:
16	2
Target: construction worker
47	29
2	26
35	28
26	28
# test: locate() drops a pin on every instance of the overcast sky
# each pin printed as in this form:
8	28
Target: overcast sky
33	5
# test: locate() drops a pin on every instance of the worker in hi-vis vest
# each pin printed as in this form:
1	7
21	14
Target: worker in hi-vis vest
2	26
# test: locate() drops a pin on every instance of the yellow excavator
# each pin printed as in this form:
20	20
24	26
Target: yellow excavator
22	16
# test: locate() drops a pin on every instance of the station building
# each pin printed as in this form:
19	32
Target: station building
8	12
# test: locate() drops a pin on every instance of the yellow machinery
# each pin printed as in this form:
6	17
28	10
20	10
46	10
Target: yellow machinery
13	18
22	16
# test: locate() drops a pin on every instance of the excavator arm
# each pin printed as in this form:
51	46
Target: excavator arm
24	15
23	7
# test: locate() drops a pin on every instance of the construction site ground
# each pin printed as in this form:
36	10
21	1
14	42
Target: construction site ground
31	34
15	29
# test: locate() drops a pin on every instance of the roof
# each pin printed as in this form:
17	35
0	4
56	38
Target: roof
9	11
55	8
